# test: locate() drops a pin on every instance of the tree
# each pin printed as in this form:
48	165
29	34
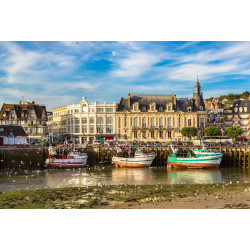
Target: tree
233	132
212	131
189	131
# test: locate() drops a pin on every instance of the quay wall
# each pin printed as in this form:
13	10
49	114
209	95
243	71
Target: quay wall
233	157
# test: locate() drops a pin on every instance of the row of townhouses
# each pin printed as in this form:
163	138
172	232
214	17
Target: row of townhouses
135	117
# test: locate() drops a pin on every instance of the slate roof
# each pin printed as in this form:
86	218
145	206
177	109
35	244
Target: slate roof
241	104
182	104
16	130
24	108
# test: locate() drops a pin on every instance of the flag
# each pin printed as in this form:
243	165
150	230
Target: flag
214	122
222	131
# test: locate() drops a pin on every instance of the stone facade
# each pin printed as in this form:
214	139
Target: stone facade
159	117
32	117
85	121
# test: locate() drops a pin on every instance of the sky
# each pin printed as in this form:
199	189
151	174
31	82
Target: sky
61	73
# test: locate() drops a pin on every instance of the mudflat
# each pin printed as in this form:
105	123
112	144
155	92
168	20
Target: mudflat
183	196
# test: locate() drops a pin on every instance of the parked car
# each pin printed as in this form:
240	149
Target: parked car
229	144
164	143
149	143
247	143
109	143
205	144
179	143
69	142
221	144
157	144
237	144
38	144
96	143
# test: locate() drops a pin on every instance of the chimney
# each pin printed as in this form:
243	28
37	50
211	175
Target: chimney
129	100
175	100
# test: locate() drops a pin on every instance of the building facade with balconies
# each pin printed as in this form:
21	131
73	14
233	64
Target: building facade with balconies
159	117
218	115
32	117
241	116
87	121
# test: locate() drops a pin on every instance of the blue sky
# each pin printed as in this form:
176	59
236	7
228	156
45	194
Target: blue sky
60	73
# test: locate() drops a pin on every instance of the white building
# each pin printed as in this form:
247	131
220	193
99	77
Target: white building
90	121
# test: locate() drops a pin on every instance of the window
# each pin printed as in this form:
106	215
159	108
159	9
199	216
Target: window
84	120
169	107
245	109
135	122
144	122
99	120
152	134
179	122
135	134
109	120
99	129
77	121
169	134
109	129
109	110
240	109
169	122
189	109
189	122
91	120
152	108
135	107
161	134
236	110
201	122
144	134
160	108
144	109
77	129
160	122
91	129
99	110
76	110
84	129
152	122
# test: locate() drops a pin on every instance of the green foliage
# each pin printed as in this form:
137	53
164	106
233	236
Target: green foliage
233	132
244	95
212	131
189	131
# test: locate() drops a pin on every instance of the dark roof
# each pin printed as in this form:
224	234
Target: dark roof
182	104
16	130
241	104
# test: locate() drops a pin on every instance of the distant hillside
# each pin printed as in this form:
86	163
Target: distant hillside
244	95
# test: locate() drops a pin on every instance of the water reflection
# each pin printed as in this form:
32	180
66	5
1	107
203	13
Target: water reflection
23	178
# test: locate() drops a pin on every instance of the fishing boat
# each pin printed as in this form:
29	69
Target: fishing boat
206	152
74	159
140	160
186	160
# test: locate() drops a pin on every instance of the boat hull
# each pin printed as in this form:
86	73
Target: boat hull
132	162
208	162
66	163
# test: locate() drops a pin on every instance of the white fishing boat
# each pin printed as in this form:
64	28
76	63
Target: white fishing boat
74	159
140	160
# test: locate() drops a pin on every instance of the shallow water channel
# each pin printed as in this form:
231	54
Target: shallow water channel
33	177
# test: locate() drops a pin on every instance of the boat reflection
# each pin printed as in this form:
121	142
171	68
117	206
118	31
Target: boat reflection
132	176
194	176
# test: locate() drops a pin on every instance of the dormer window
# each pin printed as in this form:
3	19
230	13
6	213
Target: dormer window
235	110
144	109
189	109
201	108
152	107
4	114
136	106
245	109
240	109
161	108
169	107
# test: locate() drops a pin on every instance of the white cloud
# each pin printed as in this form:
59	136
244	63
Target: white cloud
136	64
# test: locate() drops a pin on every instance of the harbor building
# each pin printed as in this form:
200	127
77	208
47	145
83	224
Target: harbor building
216	114
31	116
159	117
241	117
85	121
